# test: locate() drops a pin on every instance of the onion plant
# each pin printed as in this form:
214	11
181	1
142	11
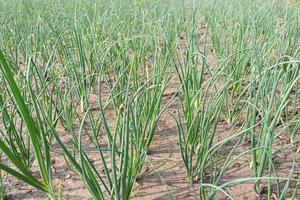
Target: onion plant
38	138
201	103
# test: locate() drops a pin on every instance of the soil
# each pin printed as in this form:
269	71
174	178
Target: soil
163	175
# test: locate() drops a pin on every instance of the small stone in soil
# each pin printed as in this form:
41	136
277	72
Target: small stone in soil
68	176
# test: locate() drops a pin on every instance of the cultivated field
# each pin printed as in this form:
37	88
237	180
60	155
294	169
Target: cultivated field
149	99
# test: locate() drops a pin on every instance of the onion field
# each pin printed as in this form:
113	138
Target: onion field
150	99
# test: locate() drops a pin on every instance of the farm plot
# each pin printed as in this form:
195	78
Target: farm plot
149	99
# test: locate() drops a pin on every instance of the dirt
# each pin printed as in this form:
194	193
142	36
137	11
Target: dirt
163	175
